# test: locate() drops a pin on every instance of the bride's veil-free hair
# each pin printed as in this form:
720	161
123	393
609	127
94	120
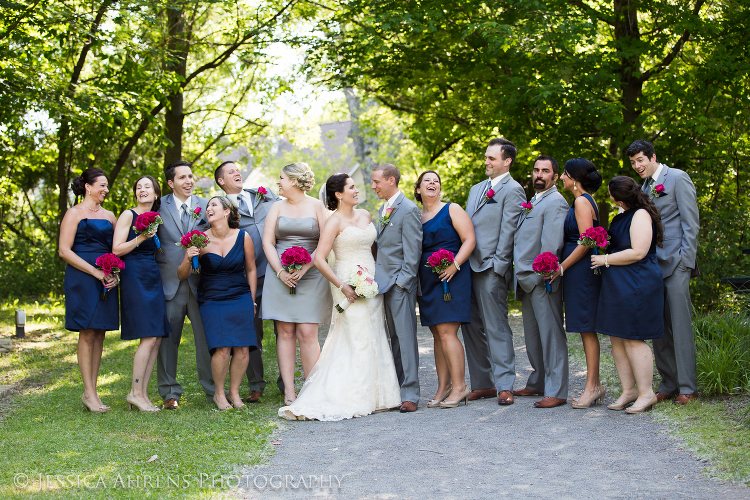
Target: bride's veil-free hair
335	184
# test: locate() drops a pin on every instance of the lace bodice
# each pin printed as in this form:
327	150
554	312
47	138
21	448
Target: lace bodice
352	247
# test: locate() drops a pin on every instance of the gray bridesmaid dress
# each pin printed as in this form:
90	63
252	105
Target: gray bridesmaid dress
312	303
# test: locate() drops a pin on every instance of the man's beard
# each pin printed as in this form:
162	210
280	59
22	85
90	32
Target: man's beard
539	184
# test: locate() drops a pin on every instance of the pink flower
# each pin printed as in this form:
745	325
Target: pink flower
440	260
659	188
490	193
262	191
110	263
545	263
197	211
527	206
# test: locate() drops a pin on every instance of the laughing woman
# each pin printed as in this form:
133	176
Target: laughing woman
85	234
226	297
141	284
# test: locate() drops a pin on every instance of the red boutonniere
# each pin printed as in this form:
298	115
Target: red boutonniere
197	213
490	194
262	193
658	190
528	207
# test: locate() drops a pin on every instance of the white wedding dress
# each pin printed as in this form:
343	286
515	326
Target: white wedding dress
355	374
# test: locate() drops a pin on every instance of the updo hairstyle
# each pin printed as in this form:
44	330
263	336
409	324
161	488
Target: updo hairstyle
302	174
88	176
585	173
157	191
624	189
418	196
234	215
335	184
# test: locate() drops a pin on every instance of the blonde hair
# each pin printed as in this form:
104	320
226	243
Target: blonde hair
302	174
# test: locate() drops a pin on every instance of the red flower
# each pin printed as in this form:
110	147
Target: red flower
546	264
110	263
659	188
194	239
527	206
262	191
440	260
490	193
594	236
144	221
197	211
295	256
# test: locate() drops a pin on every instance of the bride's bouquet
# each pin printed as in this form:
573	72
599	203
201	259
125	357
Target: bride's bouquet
363	283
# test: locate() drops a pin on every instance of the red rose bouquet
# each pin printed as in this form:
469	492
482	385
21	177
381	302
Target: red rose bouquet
196	239
148	222
292	260
110	264
439	261
546	264
596	238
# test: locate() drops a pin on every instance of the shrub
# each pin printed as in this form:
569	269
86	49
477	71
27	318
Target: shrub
722	342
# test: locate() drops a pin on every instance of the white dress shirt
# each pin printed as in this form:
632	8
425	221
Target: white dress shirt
391	201
235	199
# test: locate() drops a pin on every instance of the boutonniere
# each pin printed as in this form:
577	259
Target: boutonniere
262	193
197	213
487	197
658	191
527	207
387	217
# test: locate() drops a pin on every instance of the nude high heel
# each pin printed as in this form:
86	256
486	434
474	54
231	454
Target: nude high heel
463	397
599	395
633	410
621	406
93	409
147	409
435	403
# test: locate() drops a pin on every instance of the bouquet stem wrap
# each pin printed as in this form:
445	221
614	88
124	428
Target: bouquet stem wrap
439	261
293	259
194	239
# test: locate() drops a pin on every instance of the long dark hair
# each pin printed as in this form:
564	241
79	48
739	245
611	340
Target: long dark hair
157	191
624	189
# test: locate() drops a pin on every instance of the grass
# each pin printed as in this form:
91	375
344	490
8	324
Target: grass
714	428
45	430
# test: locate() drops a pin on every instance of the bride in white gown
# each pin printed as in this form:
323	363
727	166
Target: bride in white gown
355	374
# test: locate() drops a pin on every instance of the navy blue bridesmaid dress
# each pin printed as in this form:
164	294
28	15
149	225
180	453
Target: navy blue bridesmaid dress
438	233
581	286
631	304
144	312
83	308
225	300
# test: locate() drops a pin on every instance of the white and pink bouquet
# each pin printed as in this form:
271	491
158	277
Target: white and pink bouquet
363	283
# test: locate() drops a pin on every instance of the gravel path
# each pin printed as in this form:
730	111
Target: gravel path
483	451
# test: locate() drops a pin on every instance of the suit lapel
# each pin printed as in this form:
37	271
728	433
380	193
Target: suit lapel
396	204
195	203
500	185
171	209
551	190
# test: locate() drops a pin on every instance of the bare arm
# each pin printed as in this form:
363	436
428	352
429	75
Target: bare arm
120	245
640	242
68	230
585	220
465	229
250	271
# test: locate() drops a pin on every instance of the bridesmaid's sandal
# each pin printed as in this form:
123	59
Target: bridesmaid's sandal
238	405
94	408
222	408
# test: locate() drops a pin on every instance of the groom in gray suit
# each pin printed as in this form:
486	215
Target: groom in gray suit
399	249
541	230
488	338
178	213
253	208
674	195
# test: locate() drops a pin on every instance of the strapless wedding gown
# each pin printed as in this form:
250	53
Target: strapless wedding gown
355	374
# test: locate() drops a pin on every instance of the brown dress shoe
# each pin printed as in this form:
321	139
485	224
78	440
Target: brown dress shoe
527	392
171	404
683	399
408	406
505	398
254	397
482	394
548	402
661	396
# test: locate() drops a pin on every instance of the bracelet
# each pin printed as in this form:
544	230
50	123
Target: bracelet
341	288
562	271
458	268
256	305
277	274
136	240
606	264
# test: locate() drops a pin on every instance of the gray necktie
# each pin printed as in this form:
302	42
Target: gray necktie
242	205
647	184
185	218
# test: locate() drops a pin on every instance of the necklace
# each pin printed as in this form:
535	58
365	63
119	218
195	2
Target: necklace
92	209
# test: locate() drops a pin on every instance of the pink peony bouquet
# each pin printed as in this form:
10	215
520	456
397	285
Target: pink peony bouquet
110	264
546	264
363	283
292	260
596	238
439	261
196	239
148	222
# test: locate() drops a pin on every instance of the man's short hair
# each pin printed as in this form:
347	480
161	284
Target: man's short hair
641	146
507	149
219	172
169	171
389	170
549	159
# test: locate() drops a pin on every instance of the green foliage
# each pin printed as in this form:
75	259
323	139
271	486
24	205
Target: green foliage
29	270
723	352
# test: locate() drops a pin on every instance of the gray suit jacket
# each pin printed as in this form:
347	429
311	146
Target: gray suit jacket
495	224
399	247
253	225
678	207
170	233
541	230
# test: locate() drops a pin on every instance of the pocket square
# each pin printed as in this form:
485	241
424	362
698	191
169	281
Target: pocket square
491	200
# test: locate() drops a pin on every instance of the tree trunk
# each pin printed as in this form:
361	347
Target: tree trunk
364	145
177	50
